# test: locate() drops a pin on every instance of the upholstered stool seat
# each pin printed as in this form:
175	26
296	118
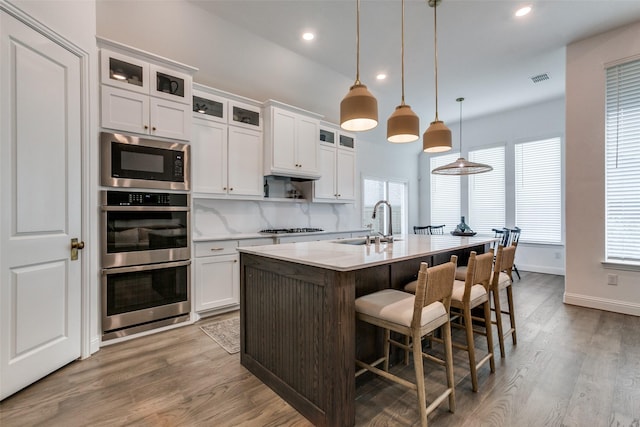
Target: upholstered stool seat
397	307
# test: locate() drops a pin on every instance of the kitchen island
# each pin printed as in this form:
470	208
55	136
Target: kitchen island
297	310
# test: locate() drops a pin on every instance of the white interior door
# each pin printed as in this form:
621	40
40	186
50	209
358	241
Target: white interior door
40	194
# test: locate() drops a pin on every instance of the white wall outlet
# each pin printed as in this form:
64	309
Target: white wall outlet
612	279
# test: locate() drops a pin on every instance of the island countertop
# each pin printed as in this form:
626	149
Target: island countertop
339	255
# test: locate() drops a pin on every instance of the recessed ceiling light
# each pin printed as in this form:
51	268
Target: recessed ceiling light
381	76
308	36
523	11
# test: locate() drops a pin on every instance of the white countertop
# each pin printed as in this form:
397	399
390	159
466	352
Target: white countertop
344	257
243	236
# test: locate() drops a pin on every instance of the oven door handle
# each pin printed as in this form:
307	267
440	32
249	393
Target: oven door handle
145	209
144	267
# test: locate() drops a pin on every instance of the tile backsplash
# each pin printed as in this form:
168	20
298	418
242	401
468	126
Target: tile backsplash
218	216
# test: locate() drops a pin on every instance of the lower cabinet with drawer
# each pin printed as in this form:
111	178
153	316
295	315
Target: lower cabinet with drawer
217	276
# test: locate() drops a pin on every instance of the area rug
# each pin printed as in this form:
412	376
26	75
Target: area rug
226	333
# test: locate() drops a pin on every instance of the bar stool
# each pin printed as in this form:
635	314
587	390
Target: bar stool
474	292
415	316
503	279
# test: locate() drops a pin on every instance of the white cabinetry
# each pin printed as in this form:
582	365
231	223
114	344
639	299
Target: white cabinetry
143	93
226	158
290	141
217	275
337	166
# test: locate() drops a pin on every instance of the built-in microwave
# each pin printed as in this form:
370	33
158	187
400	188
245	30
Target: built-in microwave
131	161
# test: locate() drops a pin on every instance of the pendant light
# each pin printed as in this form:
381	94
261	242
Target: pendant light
404	124
461	166
359	108
437	138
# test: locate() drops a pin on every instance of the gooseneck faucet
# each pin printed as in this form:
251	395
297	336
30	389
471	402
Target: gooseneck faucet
389	236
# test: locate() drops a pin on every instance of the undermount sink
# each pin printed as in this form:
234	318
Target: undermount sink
362	241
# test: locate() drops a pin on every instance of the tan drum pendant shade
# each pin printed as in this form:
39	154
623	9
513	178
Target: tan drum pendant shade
403	125
437	137
359	108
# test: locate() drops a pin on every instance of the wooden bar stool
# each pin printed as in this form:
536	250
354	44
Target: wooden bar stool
503	279
415	316
474	292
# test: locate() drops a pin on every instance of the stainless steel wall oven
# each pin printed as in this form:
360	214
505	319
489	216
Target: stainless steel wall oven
145	258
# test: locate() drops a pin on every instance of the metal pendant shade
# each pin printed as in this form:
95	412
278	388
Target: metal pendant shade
437	137
403	125
359	108
461	166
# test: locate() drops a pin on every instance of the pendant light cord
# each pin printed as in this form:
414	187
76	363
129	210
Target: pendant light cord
357	42
435	49
402	53
460	125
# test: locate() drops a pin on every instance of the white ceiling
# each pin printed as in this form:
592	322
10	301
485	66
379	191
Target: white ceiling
485	53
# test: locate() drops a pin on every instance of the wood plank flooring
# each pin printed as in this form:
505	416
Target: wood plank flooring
572	367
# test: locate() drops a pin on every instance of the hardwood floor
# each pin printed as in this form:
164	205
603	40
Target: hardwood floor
572	367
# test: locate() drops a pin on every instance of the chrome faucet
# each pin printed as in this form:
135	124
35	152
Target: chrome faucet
388	237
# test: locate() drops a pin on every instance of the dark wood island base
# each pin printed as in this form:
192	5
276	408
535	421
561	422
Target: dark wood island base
298	328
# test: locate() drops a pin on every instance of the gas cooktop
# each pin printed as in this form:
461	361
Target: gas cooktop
290	230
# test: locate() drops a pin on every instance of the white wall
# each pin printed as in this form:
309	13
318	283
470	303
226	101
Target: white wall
533	122
586	278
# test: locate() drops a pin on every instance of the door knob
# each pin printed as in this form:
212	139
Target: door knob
75	247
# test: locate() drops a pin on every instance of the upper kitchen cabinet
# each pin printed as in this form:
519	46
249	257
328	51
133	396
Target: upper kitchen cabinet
337	159
226	153
144	93
290	141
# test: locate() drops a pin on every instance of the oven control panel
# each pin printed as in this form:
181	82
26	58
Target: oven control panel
140	198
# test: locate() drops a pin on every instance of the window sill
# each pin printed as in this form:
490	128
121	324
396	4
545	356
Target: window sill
620	265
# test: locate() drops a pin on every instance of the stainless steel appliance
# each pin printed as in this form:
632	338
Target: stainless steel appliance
142	228
131	161
146	261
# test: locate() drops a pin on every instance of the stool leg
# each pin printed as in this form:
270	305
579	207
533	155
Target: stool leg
496	305
489	330
387	336
419	370
468	326
512	314
448	354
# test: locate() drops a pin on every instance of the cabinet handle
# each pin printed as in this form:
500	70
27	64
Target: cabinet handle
339	195
224	188
153	128
216	249
146	127
231	189
235	260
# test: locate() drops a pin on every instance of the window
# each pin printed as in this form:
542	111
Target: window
487	191
445	194
374	190
622	169
538	168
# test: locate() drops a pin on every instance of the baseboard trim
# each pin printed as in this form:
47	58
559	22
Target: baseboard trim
602	304
558	271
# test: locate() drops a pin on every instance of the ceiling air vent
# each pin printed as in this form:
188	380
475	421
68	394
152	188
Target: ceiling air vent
540	78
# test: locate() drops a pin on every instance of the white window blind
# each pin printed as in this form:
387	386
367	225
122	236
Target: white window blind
374	190
486	191
623	162
445	194
538	168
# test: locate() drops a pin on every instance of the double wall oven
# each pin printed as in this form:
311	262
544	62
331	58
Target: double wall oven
145	235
